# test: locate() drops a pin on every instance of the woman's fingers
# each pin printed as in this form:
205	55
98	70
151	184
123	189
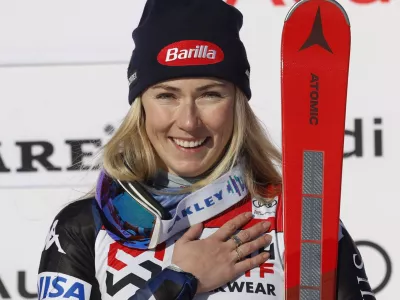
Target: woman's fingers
250	247
230	227
250	234
250	263
193	233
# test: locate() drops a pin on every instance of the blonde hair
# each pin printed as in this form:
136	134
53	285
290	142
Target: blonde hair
130	156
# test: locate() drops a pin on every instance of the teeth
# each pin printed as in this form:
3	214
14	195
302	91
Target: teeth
187	144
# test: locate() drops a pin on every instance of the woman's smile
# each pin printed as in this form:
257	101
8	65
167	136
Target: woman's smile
190	145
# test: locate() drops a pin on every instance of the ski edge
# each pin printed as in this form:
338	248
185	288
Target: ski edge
295	6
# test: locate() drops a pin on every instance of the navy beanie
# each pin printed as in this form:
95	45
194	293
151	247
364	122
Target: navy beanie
188	38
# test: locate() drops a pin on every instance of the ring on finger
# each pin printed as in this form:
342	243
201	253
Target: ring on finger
237	240
239	254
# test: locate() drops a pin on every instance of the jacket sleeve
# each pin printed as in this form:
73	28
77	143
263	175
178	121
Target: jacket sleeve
352	281
67	265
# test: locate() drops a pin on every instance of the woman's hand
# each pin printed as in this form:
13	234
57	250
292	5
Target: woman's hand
214	260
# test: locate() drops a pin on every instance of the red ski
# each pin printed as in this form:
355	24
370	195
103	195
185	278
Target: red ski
315	64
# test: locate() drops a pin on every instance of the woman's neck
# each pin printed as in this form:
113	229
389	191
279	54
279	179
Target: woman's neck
164	179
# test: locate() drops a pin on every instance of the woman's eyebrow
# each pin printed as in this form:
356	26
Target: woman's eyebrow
199	89
208	86
166	87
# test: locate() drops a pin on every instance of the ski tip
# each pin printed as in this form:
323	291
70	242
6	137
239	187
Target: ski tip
294	7
342	9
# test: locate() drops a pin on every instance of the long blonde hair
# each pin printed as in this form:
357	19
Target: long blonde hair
130	156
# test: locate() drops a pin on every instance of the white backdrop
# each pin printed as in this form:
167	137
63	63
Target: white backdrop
63	82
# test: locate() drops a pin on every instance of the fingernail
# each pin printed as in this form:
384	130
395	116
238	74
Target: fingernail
265	256
248	215
268	238
266	224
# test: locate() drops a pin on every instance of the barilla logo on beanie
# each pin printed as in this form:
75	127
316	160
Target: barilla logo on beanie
190	53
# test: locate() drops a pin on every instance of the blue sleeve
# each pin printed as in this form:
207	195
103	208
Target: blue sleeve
168	285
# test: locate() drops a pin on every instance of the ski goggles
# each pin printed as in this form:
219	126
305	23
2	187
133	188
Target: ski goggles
134	218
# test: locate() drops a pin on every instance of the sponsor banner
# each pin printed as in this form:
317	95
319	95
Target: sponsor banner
80	41
64	91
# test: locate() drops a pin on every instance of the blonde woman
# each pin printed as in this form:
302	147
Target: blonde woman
187	205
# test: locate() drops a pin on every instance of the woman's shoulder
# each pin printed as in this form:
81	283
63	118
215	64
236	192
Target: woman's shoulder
72	233
80	217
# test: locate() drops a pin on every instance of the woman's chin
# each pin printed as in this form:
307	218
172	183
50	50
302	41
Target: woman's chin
192	170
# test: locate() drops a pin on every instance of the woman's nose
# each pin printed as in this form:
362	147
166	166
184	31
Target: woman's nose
188	117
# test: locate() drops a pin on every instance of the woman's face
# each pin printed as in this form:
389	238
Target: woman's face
189	122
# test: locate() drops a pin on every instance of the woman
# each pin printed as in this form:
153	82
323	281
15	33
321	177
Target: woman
187	205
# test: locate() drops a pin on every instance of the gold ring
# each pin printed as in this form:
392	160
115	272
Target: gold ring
237	240
239	254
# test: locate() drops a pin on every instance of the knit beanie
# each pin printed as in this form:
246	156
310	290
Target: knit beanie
188	38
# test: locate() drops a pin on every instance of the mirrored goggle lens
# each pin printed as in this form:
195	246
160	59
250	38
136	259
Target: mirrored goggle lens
136	219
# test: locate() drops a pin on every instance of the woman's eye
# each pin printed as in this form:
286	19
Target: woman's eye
212	95
165	96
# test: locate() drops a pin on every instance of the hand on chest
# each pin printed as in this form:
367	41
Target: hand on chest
127	269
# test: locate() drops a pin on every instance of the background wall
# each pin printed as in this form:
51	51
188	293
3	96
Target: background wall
63	89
